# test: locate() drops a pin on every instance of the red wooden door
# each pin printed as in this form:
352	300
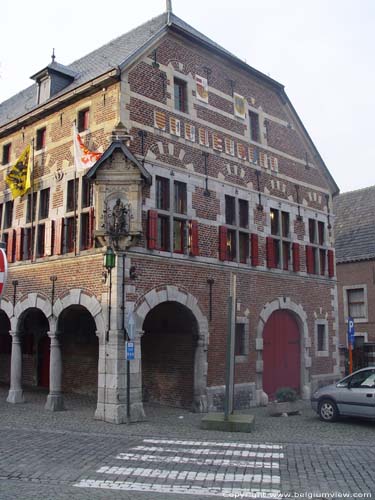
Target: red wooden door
281	353
44	353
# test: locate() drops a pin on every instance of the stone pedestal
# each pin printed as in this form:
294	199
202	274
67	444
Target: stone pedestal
15	394
112	385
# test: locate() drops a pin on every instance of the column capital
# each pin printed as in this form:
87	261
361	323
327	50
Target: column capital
16	335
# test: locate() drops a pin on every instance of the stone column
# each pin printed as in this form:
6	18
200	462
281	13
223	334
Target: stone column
200	404
15	394
112	380
55	399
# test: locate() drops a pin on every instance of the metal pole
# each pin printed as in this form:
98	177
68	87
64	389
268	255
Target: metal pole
229	375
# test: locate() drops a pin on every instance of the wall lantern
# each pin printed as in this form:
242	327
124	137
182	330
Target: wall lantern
109	259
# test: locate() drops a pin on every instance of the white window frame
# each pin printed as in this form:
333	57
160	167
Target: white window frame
346	305
243	358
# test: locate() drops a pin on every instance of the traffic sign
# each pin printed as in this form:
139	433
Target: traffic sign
129	350
3	271
351	332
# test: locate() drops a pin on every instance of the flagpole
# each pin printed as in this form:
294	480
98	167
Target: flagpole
75	202
32	202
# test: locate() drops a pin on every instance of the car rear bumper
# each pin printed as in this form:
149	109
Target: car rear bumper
314	404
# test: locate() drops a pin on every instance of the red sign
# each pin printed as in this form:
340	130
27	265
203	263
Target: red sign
3	271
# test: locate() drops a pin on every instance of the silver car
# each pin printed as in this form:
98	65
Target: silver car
353	396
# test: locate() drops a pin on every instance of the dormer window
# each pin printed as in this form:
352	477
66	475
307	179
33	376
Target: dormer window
44	87
83	120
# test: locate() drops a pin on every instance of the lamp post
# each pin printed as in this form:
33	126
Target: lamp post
109	263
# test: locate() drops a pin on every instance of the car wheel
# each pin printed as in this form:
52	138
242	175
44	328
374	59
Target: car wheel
328	410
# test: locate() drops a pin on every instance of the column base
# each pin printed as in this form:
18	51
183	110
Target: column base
116	413
55	402
15	396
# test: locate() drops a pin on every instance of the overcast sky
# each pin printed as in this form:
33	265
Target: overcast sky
321	50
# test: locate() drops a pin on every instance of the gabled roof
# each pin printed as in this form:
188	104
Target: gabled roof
118	145
115	54
355	225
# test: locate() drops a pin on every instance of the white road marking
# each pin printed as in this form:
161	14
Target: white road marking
190	475
223	462
181	489
208	451
214	443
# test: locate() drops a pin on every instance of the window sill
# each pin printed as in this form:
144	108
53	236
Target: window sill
242	358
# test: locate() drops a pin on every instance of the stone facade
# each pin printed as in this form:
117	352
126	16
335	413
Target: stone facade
276	171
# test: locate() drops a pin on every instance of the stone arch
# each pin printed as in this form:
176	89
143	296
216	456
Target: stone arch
34	301
284	303
7	307
81	297
171	293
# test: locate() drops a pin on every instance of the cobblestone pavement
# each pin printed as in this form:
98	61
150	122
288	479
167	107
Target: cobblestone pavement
69	455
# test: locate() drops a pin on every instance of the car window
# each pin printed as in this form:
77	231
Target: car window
362	379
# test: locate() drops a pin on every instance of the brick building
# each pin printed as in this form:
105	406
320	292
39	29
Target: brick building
355	257
218	176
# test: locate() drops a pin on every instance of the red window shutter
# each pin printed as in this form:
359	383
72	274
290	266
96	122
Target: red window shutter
271	259
10	245
194	238
59	227
222	243
152	229
309	259
296	253
331	263
254	250
19	243
91	227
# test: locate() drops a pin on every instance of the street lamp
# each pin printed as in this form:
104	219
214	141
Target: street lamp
109	263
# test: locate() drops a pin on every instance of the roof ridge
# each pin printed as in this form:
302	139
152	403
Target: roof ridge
357	190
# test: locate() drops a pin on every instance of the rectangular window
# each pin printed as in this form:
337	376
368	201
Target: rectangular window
41	138
178	236
8	219
31	201
6	153
162	240
240	344
72	195
180	95
44	204
319	255
28	243
321	337
280	245
83	120
230	210
243	208
87	193
40	241
254	126
356	303
85	231
243	247
179	197
69	234
162	193
231	245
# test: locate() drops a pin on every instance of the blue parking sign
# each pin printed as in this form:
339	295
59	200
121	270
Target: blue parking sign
351	332
129	351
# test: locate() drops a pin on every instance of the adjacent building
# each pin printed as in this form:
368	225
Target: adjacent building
355	260
207	171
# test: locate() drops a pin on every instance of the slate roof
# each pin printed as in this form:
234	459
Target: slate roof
355	225
115	54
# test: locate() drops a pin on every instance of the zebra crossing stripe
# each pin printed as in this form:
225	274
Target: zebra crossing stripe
208	451
184	475
220	462
215	444
180	489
